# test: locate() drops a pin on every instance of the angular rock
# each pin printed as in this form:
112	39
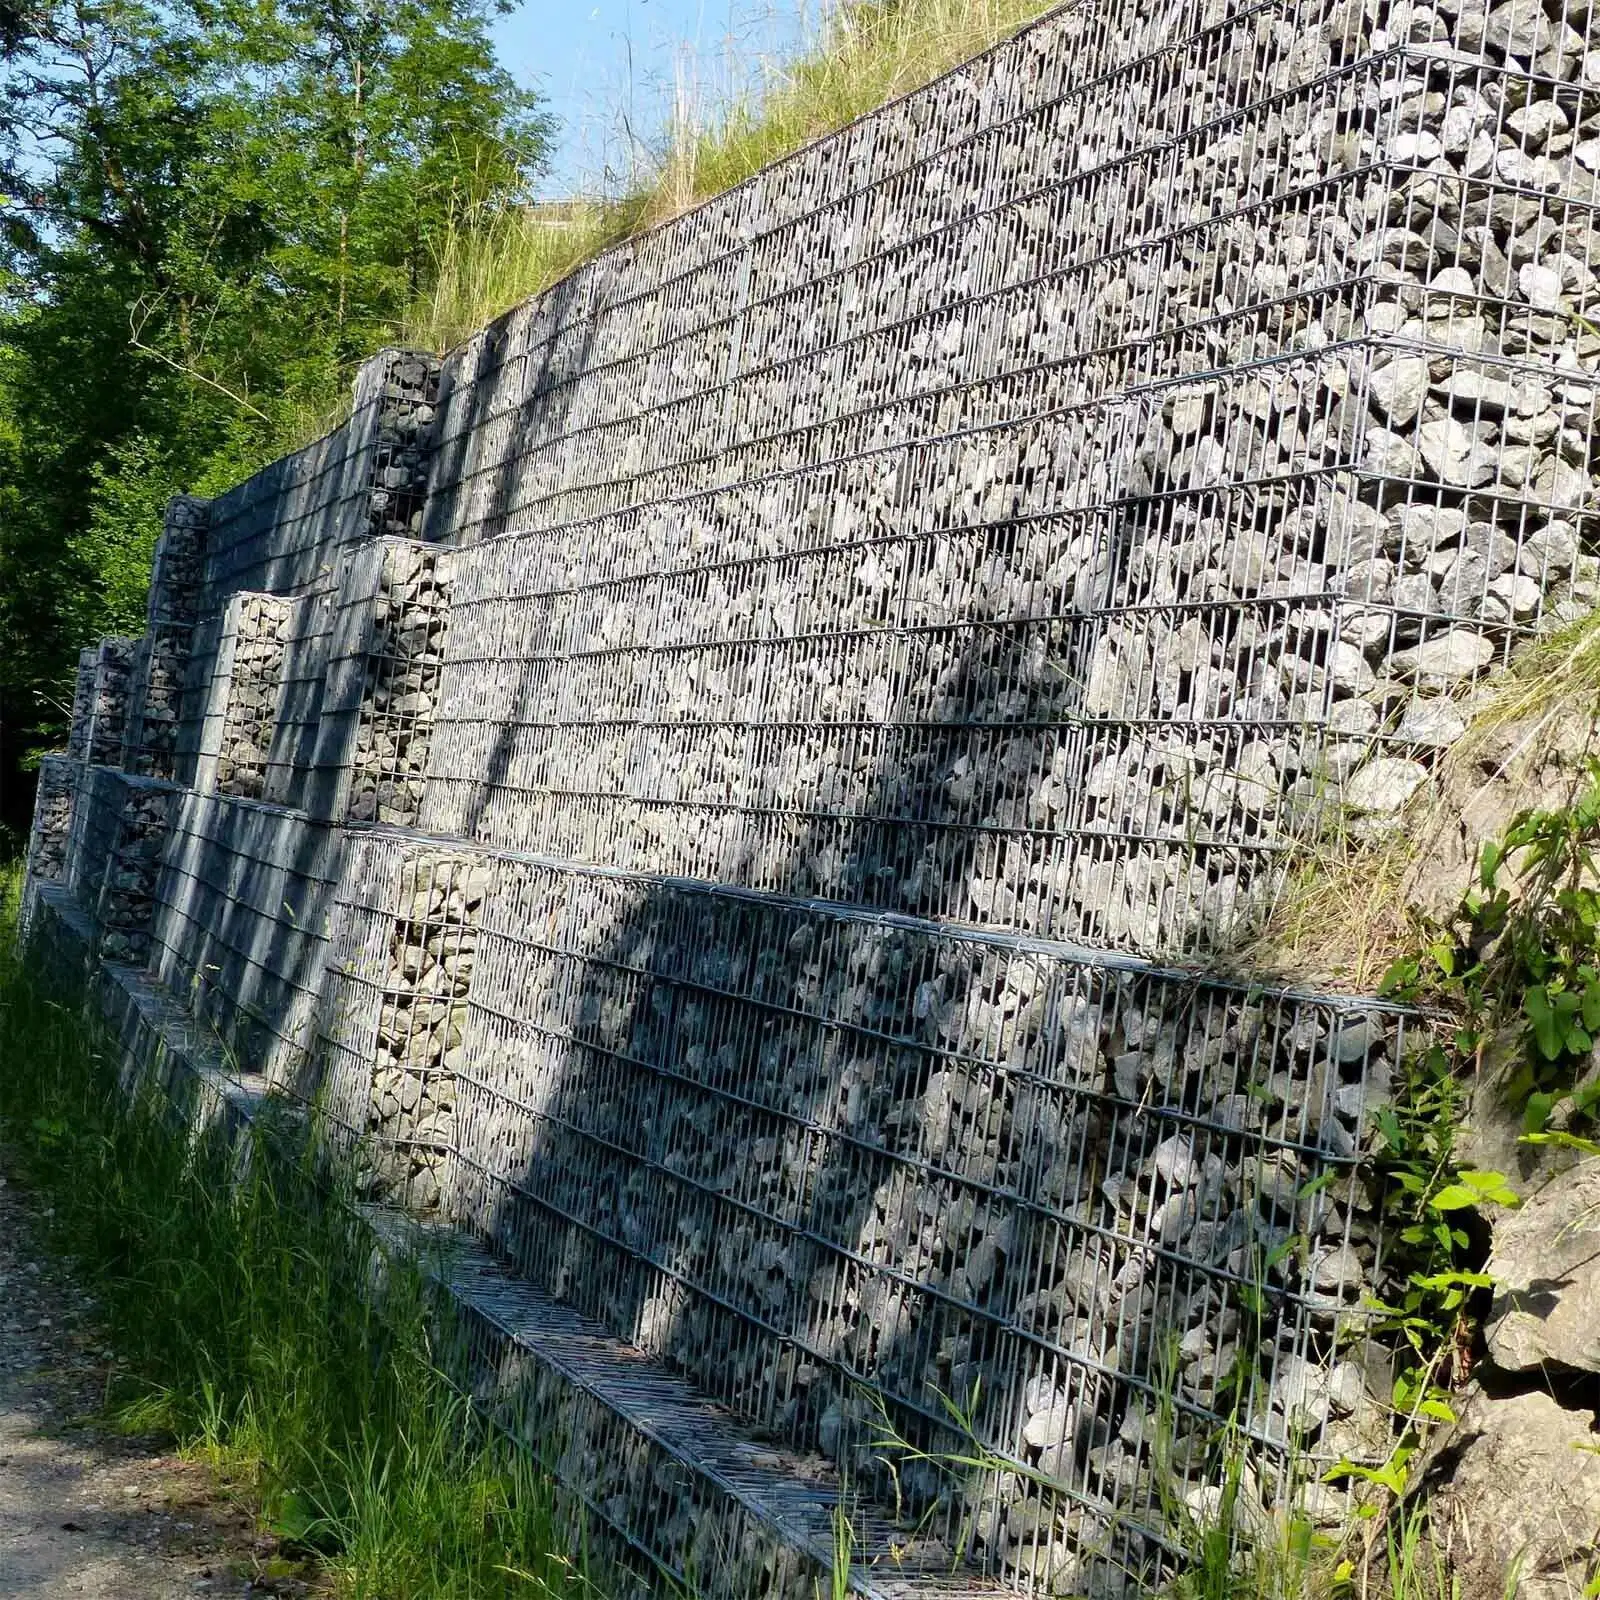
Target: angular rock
1525	1479
1545	1260
1445	660
1383	786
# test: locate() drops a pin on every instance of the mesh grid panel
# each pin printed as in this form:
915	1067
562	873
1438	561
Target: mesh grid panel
242	926
51	837
841	1171
156	704
1140	439
898	621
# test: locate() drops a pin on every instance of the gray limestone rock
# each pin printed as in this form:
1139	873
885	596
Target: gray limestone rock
1383	786
1545	1260
1525	1479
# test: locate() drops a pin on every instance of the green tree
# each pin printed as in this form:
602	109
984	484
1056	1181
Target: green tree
210	212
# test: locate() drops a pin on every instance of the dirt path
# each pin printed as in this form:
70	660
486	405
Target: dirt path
84	1513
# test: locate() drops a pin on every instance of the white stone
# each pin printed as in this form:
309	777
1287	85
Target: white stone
1540	286
1383	786
1534	122
1454	454
1348	669
1399	389
1446	659
1435	723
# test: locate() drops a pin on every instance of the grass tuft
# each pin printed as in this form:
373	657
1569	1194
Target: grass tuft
865	54
233	1292
1348	911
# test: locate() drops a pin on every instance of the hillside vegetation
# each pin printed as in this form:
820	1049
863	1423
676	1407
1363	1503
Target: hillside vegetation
866	53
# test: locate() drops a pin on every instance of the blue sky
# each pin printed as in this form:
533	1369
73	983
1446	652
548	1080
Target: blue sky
599	62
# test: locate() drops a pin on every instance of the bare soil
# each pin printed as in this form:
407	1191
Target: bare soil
85	1511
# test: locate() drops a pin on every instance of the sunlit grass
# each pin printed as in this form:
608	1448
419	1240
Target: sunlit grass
868	52
236	1293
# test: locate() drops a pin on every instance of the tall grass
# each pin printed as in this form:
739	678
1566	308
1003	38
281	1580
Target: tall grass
866	53
233	1292
1346	913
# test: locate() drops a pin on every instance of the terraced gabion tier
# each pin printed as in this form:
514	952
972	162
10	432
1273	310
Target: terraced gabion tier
51	840
405	653
260	643
732	786
162	660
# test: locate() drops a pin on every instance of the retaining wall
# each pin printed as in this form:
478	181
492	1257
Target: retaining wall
734	786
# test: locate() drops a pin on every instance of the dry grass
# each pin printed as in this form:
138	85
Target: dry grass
1348	910
867	53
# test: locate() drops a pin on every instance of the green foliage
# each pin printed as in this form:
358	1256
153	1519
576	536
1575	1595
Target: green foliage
1520	954
209	212
232	1290
1517	958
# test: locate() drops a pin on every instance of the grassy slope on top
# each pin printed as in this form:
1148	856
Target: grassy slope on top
870	52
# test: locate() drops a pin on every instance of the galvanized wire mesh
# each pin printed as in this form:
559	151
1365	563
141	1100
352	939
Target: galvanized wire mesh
246	694
840	1171
82	704
125	909
96	813
51	836
156	693
242	924
1129	444
282	533
896	609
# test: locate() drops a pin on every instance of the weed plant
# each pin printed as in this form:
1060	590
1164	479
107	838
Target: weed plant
232	1281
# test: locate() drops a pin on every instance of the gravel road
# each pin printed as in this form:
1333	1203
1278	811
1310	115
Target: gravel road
84	1513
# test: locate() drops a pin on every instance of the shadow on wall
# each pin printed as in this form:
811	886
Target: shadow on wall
845	1172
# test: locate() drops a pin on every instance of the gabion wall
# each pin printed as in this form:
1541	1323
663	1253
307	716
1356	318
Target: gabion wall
1029	506
241	926
257	640
176	578
765	739
127	902
835	1170
50	844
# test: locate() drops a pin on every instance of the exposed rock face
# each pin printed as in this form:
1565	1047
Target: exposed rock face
1546	1267
1521	1507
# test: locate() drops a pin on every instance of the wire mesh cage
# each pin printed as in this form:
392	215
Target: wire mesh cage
848	1175
51	836
125	911
1110	474
242	924
172	612
900	620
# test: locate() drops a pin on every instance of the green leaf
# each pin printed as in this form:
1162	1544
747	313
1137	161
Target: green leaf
1401	976
1454	1197
1536	1113
1489	864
